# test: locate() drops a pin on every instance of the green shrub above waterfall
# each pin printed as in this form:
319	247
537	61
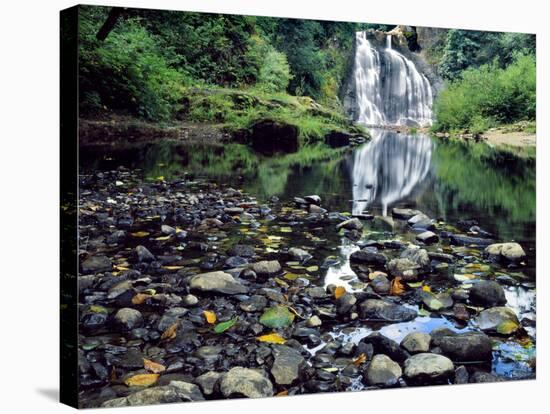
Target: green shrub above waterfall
488	96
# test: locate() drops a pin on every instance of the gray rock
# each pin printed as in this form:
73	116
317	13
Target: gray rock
94	264
421	221
404	268
351	224
239	381
128	319
487	293
241	250
143	254
299	254
345	302
208	353
235	261
233	210
482	377
381	284
382	371
418	256
427	237
498	319
316	292
461	240
190	300
208	381
368	257
168	230
416	342
404	213
176	391
442	257
219	282
426	368
381	344
314	322
436	301
377	309
465	347
255	303
510	252
287	365
267	267
461	375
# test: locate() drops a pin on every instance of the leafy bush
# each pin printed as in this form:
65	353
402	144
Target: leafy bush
127	72
274	73
488	96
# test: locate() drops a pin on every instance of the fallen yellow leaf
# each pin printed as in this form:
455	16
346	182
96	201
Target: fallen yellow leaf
140	298
154	367
172	267
359	360
210	316
339	292
397	287
140	234
272	338
170	332
426	288
142	380
283	393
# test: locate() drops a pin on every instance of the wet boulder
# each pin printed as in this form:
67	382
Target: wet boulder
487	293
418	256
94	264
245	382
404	213
465	347
382	371
267	267
128	319
498	319
377	309
287	365
427	237
176	391
421	221
299	254
381	344
416	342
426	368
143	254
218	282
461	240
350	224
506	252
369	257
208	381
404	268
436	301
241	250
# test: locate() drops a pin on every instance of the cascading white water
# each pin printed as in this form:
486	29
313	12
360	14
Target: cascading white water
389	88
388	169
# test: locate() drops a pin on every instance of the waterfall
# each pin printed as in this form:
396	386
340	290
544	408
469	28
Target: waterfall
389	168
389	88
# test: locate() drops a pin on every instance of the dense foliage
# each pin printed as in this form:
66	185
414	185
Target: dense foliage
151	58
488	96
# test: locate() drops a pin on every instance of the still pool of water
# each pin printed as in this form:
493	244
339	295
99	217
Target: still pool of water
448	180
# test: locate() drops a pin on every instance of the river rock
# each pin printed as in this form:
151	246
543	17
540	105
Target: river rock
241	250
345	302
418	256
508	252
219	282
426	368
368	257
299	254
351	224
168	230
383	345
421	221
232	211
404	268
380	284
487	293
386	311
382	371
404	213
465	347
128	319
314	322
287	365
416	342
498	319
313	199
254	303
94	264
267	267
208	381
436	301
461	240
143	254
427	237
245	382
176	391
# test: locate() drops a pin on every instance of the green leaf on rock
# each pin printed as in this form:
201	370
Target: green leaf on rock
224	326
277	317
507	327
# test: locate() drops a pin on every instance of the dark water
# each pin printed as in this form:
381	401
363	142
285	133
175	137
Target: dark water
451	181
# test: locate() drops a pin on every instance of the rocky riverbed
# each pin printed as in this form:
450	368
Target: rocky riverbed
192	290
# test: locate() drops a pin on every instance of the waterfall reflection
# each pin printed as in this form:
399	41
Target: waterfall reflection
387	169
